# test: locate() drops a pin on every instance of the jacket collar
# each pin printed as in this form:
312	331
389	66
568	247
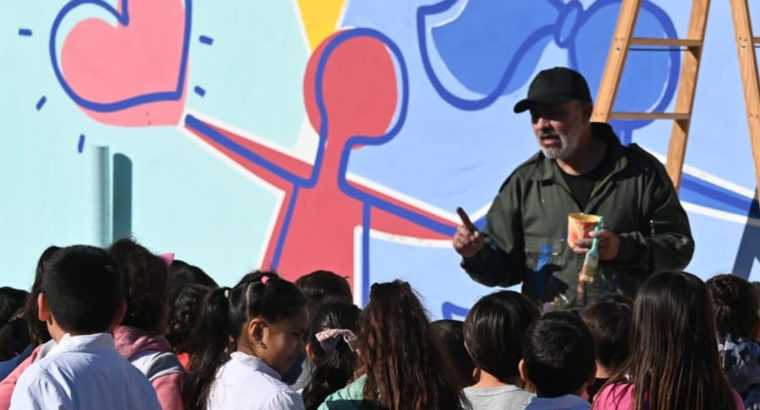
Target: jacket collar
546	169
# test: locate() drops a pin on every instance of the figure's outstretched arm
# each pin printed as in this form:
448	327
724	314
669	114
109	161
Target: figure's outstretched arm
275	167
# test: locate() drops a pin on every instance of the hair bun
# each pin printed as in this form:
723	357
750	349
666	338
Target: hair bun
725	291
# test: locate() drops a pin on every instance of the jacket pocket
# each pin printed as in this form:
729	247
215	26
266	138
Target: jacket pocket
541	252
546	259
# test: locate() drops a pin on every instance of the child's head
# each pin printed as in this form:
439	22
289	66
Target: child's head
558	355
451	334
673	332
145	286
14	336
735	305
333	357
320	284
399	352
182	274
11	300
263	316
81	291
610	326
494	330
184	311
38	331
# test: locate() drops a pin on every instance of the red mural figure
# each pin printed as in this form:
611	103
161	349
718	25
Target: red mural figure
356	92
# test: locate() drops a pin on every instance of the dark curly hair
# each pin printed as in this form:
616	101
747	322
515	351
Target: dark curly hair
735	304
145	278
184	311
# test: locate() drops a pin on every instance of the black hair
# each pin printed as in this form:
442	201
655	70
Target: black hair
14	336
735	303
610	327
182	274
11	300
451	334
83	289
225	311
145	285
494	331
38	330
184	311
559	354
333	369
322	283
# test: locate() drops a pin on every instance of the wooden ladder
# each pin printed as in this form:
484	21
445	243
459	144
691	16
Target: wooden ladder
692	46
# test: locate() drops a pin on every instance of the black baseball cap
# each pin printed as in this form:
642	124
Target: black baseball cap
555	86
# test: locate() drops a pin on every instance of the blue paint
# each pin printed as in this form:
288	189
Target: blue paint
284	230
707	194
199	90
492	32
545	253
122	19
25	32
500	29
206	40
80	144
749	246
40	103
219	138
451	311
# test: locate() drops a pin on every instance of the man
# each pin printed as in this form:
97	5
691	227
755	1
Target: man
581	167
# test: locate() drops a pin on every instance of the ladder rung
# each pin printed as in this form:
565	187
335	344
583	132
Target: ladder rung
649	116
667	42
756	40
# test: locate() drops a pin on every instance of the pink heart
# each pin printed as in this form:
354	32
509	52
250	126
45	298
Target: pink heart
132	74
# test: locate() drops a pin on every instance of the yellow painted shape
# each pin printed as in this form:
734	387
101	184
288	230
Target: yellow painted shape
320	18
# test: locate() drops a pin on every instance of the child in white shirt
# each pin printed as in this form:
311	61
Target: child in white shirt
81	298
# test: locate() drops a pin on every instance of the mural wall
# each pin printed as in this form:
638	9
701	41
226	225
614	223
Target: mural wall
328	134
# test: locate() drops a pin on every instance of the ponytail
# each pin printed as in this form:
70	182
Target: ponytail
225	311
209	346
334	367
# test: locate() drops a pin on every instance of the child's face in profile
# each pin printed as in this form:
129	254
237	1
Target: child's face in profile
284	341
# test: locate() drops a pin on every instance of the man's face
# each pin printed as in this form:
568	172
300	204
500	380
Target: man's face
558	127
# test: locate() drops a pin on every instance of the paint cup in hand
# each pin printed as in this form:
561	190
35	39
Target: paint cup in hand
579	225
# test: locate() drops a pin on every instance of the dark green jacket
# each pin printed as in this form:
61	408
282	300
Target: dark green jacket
526	227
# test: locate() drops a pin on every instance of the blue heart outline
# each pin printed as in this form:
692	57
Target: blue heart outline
123	19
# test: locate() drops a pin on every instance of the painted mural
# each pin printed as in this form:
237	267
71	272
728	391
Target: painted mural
329	134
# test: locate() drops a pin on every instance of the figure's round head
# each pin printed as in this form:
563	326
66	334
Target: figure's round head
351	85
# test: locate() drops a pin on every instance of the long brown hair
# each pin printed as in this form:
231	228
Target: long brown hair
673	362
400	353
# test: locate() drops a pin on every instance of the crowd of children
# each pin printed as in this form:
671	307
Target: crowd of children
124	328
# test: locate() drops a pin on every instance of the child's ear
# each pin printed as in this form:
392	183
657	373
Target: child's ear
523	371
529	387
121	311
255	330
476	374
310	353
43	310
